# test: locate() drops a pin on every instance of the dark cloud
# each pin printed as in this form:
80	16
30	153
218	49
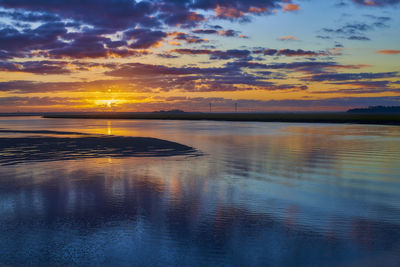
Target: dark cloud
358	38
192	79
205	31
141	23
113	15
132	69
341	4
226	33
167	55
26	16
363	87
245	54
310	67
353	76
216	54
43	37
178	13
188	38
93	46
108	15
36	67
290	52
357	30
304	66
230	54
144	38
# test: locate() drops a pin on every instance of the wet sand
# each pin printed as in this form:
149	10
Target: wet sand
15	150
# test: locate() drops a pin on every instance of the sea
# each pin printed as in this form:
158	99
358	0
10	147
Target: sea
245	194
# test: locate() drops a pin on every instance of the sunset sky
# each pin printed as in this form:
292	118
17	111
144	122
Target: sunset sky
264	55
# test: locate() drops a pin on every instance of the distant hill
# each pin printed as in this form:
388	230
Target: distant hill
376	109
170	111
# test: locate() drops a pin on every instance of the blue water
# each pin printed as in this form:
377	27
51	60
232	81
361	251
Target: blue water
258	194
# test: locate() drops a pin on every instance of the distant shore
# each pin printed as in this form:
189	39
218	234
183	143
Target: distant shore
341	117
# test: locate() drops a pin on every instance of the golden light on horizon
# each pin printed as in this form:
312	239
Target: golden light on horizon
107	103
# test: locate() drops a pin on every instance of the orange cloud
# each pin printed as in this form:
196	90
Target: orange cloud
369	3
194	16
174	43
288	38
291	7
228	12
257	10
389	52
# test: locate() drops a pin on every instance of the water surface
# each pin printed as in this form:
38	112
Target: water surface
271	194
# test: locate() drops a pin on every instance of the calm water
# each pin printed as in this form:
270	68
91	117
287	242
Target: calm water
270	194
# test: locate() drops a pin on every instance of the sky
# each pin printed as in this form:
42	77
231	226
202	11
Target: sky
134	56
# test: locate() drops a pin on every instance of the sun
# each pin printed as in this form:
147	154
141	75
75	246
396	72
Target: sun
106	103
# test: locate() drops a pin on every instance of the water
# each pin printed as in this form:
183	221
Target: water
270	194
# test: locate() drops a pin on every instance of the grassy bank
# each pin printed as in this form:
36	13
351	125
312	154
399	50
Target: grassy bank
388	119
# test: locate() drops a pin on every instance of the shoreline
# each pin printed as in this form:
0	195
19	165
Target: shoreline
342	117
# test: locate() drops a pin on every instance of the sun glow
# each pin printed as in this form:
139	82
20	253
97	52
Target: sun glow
107	103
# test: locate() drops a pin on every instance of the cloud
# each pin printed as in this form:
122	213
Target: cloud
290	52
362	87
205	31
103	14
26	16
377	3
353	76
193	79
81	29
389	52
93	46
291	7
216	54
27	87
288	38
309	67
188	38
144	38
226	33
17	101
178	14
114	15
356	31
358	38
36	67
43	37
131	69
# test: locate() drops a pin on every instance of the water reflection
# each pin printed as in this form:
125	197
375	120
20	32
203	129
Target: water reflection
263	194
